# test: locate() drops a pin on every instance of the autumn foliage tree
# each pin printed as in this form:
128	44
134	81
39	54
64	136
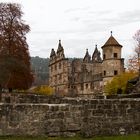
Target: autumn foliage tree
44	89
134	61
119	83
15	71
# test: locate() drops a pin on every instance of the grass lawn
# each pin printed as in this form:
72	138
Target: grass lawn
130	137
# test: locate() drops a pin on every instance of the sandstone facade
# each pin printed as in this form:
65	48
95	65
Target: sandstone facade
87	75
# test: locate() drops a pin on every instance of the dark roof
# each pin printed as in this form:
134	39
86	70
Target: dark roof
111	42
60	48
87	56
96	55
95	51
52	53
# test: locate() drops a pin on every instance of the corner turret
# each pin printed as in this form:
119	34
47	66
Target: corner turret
112	64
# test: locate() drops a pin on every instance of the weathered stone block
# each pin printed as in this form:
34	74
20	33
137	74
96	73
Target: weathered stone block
88	117
73	127
69	134
65	108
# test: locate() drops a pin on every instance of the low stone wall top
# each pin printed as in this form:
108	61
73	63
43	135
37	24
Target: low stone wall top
28	98
34	98
69	117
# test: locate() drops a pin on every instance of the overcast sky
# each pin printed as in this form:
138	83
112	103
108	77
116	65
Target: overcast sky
80	24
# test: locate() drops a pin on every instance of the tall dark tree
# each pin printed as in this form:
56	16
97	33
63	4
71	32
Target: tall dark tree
15	71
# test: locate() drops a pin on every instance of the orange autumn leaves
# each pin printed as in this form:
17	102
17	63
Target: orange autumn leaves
15	70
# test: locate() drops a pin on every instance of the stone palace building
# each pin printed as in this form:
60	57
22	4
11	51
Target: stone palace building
87	75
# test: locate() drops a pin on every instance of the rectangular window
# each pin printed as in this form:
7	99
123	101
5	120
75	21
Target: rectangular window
104	56
55	78
60	65
104	73
52	69
60	77
115	72
91	85
82	87
55	67
115	55
86	86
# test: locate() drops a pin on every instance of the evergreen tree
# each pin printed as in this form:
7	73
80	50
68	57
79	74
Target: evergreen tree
15	71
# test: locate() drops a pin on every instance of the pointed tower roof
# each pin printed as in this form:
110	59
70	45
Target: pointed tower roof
95	51
96	55
52	53
87	56
87	53
111	42
60	47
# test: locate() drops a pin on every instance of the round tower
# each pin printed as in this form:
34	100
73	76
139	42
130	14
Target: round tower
112	64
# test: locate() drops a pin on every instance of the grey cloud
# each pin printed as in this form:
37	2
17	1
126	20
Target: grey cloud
100	23
42	32
76	18
122	18
51	32
104	17
92	15
76	9
130	16
100	13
